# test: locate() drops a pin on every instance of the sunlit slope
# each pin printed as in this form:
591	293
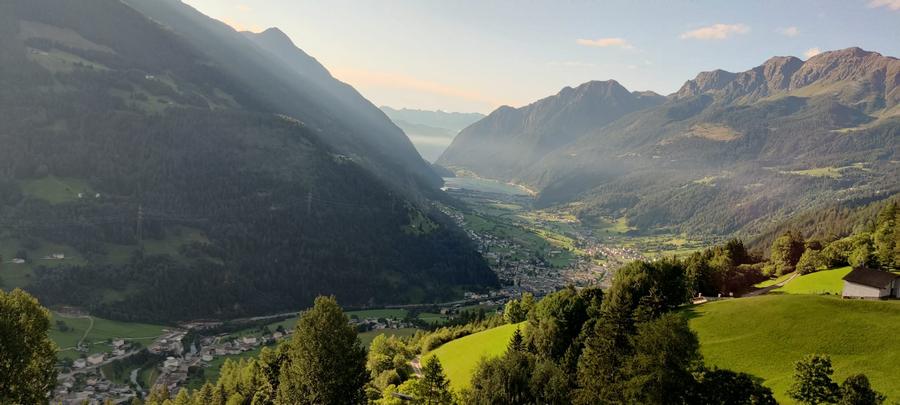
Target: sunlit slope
461	356
765	335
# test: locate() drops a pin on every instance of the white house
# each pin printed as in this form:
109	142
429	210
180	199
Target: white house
872	284
171	363
79	363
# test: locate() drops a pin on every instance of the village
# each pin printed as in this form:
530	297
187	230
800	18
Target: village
178	359
518	266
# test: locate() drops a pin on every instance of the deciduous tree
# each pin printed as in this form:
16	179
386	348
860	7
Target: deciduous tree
27	355
812	381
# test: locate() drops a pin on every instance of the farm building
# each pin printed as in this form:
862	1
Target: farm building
867	283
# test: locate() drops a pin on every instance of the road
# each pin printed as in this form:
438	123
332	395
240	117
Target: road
766	290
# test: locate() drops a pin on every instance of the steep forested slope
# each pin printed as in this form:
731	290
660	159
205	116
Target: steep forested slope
179	192
291	82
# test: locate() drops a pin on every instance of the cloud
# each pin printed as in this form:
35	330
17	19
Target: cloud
605	43
365	78
716	31
244	8
788	31
890	4
812	52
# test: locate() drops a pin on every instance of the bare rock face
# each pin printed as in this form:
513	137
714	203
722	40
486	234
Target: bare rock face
705	82
853	75
877	76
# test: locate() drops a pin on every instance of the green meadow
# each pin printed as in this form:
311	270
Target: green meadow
822	282
461	356
98	333
765	335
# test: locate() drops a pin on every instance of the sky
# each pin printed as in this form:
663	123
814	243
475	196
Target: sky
476	55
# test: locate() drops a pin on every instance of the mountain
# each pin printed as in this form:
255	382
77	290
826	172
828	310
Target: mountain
291	82
510	140
430	131
144	176
728	153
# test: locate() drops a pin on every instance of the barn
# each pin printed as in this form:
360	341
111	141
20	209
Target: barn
873	284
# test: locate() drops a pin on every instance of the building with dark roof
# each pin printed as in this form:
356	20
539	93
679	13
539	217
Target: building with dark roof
868	283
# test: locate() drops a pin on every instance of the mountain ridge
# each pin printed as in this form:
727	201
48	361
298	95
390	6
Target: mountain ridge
785	124
541	127
176	192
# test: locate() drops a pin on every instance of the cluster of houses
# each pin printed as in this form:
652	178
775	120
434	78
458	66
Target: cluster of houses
91	388
175	369
85	383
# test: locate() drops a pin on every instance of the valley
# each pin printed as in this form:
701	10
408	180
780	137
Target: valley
449	203
542	250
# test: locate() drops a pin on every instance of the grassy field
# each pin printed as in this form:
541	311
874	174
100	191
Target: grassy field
461	356
101	331
771	282
19	275
56	190
822	282
764	335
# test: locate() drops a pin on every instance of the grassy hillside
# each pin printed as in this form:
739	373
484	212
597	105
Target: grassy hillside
765	335
461	356
96	332
823	282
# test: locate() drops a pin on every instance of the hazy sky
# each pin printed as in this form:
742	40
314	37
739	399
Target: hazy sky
475	55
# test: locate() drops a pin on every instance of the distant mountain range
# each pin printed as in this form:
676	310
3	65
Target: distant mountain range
430	131
728	152
186	170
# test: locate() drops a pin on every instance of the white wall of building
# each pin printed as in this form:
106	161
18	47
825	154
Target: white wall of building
859	290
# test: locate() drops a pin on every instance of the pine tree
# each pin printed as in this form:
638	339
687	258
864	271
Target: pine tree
433	388
517	342
326	363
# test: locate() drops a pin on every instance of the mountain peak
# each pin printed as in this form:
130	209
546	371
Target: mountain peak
276	34
787	73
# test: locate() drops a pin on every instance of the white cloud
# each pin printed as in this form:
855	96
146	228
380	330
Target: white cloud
244	8
605	43
891	4
789	31
812	52
716	31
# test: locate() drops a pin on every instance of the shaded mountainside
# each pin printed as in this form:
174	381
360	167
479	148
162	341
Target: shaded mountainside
177	192
509	140
734	152
430	131
291	82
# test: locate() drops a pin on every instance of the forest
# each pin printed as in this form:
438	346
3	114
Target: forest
166	144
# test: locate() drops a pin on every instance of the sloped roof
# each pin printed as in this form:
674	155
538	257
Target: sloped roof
869	277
